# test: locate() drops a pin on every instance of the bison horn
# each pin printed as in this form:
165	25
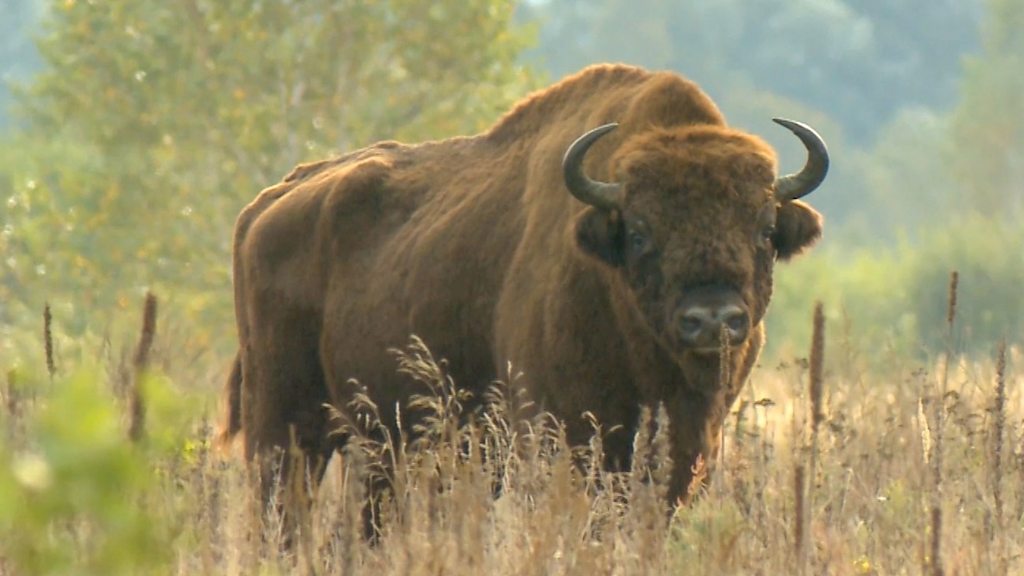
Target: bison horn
598	194
793	186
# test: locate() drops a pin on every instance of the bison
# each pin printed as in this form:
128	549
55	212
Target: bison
609	237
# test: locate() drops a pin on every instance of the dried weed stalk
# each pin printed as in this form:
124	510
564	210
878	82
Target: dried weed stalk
136	401
51	364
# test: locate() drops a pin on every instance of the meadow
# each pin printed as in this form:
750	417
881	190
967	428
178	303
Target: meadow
887	437
830	465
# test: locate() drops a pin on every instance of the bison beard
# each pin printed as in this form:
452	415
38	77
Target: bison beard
606	280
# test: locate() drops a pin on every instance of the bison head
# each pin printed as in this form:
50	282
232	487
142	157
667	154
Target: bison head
694	224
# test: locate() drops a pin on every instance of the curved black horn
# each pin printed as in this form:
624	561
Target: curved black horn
598	194
793	186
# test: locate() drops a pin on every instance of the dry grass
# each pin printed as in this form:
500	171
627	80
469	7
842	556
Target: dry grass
870	512
826	471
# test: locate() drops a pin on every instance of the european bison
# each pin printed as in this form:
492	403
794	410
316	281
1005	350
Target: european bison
604	263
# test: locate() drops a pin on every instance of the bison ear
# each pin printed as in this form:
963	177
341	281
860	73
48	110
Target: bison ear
797	227
599	234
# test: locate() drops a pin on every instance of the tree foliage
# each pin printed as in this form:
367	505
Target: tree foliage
153	123
80	498
861	61
907	184
988	124
894	299
18	57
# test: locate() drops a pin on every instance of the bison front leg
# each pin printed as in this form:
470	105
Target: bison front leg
287	482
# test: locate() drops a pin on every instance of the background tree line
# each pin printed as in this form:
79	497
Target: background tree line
151	124
135	132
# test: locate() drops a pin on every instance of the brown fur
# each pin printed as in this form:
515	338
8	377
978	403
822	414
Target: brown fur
475	245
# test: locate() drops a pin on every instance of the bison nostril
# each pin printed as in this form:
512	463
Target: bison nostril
735	319
701	326
736	322
691	324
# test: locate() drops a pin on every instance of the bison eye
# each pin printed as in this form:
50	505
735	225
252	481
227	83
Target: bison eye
638	242
767	232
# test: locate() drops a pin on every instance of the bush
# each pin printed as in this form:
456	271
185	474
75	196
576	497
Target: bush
896	299
75	494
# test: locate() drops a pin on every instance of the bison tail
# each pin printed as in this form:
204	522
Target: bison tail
232	423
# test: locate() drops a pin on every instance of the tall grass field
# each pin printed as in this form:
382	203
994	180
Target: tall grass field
828	465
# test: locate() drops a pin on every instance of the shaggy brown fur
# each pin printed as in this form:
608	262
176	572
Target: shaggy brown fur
475	245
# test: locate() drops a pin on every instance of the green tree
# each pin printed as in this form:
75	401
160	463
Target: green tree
988	123
907	180
860	61
155	122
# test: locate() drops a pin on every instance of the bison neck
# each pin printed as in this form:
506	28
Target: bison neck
694	389
583	348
